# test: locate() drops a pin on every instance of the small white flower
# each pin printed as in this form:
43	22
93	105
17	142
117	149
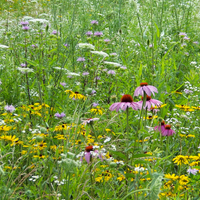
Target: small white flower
101	53
107	139
112	63
3	46
25	70
85	45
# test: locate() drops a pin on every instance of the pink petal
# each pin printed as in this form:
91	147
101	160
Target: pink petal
136	93
147	90
87	157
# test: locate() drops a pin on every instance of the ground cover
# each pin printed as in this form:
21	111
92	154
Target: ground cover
99	99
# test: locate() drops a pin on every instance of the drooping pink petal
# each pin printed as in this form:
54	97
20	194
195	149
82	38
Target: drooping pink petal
87	157
136	93
113	106
147	90
153	89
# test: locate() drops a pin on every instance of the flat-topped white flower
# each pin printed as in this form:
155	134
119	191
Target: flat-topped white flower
101	53
112	63
3	46
85	46
25	70
39	20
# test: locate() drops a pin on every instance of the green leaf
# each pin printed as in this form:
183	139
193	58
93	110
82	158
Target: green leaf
119	154
141	155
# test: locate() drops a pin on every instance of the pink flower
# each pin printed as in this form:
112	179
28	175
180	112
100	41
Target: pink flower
160	127
90	120
167	131
90	153
144	87
149	103
126	102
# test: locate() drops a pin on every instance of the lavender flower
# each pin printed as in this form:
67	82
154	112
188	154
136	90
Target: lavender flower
25	28
182	34
24	23
54	32
0	82
62	83
95	104
97	78
66	45
85	73
98	34
89	33
60	116
94	22
195	42
111	72
80	59
93	92
23	64
192	171
34	45
123	67
186	38
107	40
10	108
90	120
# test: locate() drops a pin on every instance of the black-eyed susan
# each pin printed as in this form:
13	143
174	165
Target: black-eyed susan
180	159
75	95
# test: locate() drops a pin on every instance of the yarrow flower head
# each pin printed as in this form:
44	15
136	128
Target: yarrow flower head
144	87
126	102
167	131
60	116
10	108
149	103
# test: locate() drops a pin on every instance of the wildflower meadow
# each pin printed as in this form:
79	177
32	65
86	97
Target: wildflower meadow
99	99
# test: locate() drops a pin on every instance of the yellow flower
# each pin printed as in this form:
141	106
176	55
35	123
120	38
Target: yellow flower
151	117
184	180
121	177
97	110
180	160
173	177
182	106
75	95
196	108
10	138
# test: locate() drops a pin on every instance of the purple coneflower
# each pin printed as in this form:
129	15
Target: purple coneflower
98	33
94	22
89	33
60	116
160	127
149	103
90	120
10	108
80	59
126	102
91	153
167	131
144	87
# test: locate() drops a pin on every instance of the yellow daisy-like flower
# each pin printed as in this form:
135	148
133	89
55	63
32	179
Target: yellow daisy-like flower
75	95
10	138
97	110
151	117
196	108
182	106
181	159
184	180
5	128
188	109
161	106
173	177
121	177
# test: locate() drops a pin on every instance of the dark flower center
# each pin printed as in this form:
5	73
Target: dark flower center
127	98
76	92
89	148
167	126
143	84
163	123
148	98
